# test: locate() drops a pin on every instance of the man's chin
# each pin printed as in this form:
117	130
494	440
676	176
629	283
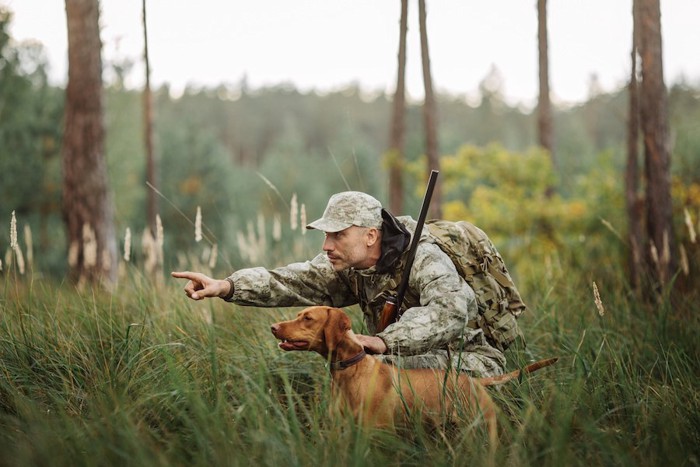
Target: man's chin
338	265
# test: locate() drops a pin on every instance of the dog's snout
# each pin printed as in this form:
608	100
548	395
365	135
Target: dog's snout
275	329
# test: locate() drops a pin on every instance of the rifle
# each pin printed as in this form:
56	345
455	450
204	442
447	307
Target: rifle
390	312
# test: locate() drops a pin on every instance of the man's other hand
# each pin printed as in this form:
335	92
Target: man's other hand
372	344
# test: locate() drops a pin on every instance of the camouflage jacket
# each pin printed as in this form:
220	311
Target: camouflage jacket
436	309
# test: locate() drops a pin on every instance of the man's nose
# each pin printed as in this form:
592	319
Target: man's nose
328	244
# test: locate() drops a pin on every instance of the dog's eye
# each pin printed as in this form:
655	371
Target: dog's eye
307	318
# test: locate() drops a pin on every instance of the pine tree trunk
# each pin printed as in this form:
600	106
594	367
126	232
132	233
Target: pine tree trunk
430	115
632	199
654	122
152	200
398	125
87	204
544	106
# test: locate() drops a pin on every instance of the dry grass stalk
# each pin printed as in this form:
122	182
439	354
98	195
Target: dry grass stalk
213	256
29	243
597	300
654	254
13	231
611	228
160	240
198	225
303	219
14	245
294	212
685	267
149	250
276	228
689	224
127	245
20	260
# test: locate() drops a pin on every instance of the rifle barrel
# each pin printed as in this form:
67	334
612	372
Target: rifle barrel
416	238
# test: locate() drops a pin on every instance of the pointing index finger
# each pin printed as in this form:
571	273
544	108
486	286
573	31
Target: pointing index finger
182	275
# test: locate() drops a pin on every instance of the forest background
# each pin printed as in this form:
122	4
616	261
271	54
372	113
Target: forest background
225	148
249	159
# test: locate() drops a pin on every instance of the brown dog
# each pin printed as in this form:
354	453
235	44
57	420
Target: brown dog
376	393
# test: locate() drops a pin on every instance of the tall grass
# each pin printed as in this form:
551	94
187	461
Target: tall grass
146	377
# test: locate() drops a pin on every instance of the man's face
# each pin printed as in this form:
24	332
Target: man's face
350	248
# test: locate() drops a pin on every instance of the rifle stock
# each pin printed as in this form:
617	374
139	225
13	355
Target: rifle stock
389	313
392	306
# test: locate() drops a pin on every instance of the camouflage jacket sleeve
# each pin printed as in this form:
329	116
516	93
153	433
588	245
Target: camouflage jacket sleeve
309	283
447	303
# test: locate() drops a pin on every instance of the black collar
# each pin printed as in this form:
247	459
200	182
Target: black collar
343	364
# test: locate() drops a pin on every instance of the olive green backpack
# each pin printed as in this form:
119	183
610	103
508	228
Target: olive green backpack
478	262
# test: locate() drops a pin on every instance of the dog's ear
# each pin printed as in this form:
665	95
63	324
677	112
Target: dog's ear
338	323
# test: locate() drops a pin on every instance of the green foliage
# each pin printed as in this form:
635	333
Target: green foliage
684	101
195	172
507	195
30	140
126	158
218	148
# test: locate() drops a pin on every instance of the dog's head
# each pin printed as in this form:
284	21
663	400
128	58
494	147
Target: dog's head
317	328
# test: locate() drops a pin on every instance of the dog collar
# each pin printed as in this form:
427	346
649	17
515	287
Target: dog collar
343	364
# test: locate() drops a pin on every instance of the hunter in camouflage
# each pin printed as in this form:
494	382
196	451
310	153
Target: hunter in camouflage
364	253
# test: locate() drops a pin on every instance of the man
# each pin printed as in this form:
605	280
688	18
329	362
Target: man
363	256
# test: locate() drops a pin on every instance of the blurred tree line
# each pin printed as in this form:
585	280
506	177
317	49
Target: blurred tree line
239	153
31	113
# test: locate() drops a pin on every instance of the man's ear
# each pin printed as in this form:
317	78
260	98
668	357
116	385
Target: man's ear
338	323
372	236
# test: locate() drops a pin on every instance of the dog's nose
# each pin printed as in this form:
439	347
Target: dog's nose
275	329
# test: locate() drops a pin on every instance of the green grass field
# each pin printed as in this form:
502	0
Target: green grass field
146	377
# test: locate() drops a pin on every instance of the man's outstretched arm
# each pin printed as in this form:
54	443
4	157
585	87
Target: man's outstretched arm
202	286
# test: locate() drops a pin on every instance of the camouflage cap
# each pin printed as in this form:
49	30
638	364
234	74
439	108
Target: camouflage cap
349	208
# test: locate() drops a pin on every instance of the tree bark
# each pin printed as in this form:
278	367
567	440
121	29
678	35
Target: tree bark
633	200
398	119
654	122
429	115
544	105
87	203
152	200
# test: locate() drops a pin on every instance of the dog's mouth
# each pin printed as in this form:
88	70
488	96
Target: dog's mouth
286	344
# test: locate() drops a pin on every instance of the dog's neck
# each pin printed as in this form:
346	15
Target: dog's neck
347	353
344	364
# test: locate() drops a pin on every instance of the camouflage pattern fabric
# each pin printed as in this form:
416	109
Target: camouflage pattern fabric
476	259
432	331
349	208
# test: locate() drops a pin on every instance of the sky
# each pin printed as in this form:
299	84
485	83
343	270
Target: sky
328	44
